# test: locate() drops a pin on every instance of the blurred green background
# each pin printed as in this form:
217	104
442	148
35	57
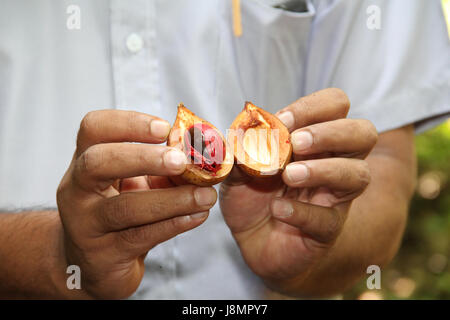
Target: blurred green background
421	269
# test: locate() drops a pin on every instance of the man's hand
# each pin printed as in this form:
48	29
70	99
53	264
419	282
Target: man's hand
113	207
285	225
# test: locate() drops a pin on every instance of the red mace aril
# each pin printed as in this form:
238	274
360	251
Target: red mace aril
205	147
260	142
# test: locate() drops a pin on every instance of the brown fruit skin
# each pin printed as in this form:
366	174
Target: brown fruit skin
193	174
244	121
190	178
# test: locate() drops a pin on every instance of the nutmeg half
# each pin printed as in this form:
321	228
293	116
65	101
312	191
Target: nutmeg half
260	141
207	151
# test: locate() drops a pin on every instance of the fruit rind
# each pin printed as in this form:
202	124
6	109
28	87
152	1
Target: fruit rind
193	174
254	117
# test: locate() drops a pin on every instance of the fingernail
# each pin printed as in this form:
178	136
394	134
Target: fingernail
174	159
282	208
205	196
301	140
297	172
199	215
159	129
287	118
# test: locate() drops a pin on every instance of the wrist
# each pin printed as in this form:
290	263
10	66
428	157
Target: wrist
58	269
33	261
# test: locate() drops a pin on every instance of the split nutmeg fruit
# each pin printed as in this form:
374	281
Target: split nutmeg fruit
256	140
261	143
209	157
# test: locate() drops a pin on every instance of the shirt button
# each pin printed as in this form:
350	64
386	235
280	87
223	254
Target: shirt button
134	42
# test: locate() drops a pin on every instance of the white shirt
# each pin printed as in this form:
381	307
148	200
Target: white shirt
148	55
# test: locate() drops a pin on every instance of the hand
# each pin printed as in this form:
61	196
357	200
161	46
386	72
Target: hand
285	225
112	212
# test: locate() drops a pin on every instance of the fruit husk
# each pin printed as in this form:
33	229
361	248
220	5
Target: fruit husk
193	173
257	118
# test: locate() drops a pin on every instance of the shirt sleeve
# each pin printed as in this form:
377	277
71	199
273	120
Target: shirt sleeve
396	74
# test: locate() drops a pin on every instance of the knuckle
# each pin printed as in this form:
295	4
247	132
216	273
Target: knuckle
372	133
333	227
130	120
364	173
133	236
353	127
176	225
89	122
133	118
179	225
307	215
62	187
60	194
367	130
157	207
341	99
301	110
184	199
115	212
90	160
303	105
343	174
143	155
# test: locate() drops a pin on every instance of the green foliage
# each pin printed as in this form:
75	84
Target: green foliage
421	269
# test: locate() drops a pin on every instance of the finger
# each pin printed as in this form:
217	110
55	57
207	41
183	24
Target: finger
104	126
320	223
138	208
344	136
158	182
101	164
134	184
324	105
137	241
341	174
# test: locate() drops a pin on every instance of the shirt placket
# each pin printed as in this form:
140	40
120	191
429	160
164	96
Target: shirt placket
137	87
134	56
